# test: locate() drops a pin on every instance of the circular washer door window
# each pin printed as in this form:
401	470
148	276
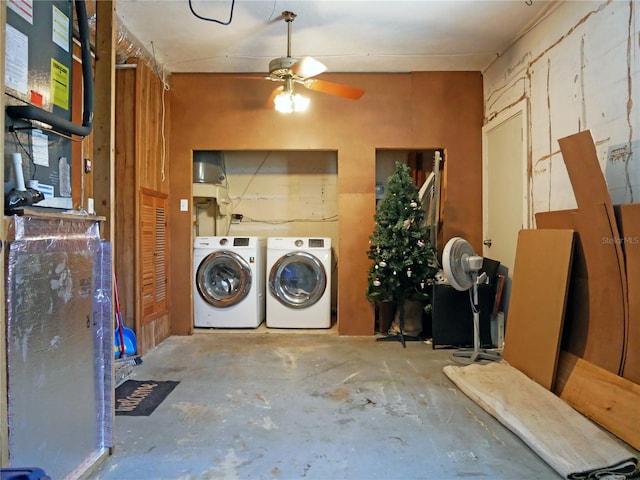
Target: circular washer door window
297	280
223	279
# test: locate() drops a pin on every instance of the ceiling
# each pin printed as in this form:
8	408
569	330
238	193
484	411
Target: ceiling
347	36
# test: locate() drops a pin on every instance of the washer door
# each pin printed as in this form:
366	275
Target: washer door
223	279
297	280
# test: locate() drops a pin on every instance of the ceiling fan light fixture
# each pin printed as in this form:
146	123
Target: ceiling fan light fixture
289	102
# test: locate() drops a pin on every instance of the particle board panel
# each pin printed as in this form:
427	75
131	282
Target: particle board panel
576	321
595	315
604	345
604	397
581	159
628	217
590	189
537	305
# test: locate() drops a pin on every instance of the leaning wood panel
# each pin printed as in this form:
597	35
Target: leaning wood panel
628	217
595	317
606	299
604	258
537	306
604	397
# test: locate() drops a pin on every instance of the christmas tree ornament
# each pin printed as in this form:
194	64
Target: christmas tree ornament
382	264
421	243
422	284
395	273
414	204
376	282
409	272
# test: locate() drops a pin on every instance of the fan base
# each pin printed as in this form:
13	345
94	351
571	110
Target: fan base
468	356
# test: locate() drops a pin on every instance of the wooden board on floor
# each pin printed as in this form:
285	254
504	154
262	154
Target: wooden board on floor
537	305
628	217
604	397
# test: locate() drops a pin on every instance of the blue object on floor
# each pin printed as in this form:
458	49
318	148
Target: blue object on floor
23	474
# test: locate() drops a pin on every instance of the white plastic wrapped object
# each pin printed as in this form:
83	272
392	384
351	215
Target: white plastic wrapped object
16	158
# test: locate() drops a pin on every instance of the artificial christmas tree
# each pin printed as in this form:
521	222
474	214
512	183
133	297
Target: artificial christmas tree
404	261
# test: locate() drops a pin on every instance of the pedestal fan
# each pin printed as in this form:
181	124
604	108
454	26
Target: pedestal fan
461	266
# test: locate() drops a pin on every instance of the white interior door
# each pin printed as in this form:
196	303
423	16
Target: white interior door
505	203
504	187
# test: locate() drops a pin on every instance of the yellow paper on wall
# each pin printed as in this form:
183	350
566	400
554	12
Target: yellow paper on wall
59	84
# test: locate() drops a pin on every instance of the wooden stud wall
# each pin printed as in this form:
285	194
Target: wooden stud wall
139	167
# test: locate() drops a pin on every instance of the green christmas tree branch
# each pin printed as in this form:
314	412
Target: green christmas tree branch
403	260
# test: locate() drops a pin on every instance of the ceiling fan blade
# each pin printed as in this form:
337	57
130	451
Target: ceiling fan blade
333	88
308	67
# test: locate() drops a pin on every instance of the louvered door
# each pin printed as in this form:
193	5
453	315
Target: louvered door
153	255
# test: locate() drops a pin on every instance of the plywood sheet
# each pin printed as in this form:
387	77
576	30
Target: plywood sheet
592	196
581	159
576	317
595	318
537	305
606	299
606	398
628	217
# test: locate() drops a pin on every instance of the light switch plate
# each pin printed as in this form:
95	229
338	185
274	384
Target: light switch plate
184	205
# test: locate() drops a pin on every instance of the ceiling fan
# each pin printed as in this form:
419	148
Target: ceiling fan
301	71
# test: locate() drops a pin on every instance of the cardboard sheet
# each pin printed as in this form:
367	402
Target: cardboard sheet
537	305
562	437
628	217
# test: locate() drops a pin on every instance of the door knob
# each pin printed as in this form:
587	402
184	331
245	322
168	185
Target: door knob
487	242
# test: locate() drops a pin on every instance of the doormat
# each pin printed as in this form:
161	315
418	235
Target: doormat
139	398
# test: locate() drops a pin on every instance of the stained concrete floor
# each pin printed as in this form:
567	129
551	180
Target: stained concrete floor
276	405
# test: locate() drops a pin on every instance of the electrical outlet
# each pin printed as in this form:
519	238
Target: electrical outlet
184	205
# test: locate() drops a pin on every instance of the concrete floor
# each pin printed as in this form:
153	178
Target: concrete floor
276	405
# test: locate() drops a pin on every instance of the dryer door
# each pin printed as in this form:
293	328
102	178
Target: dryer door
297	280
223	279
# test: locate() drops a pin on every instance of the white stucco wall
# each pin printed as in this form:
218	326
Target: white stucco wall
578	69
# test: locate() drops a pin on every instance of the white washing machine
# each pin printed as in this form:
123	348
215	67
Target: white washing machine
229	282
299	286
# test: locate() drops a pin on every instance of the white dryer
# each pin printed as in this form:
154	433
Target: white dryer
299	286
229	282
